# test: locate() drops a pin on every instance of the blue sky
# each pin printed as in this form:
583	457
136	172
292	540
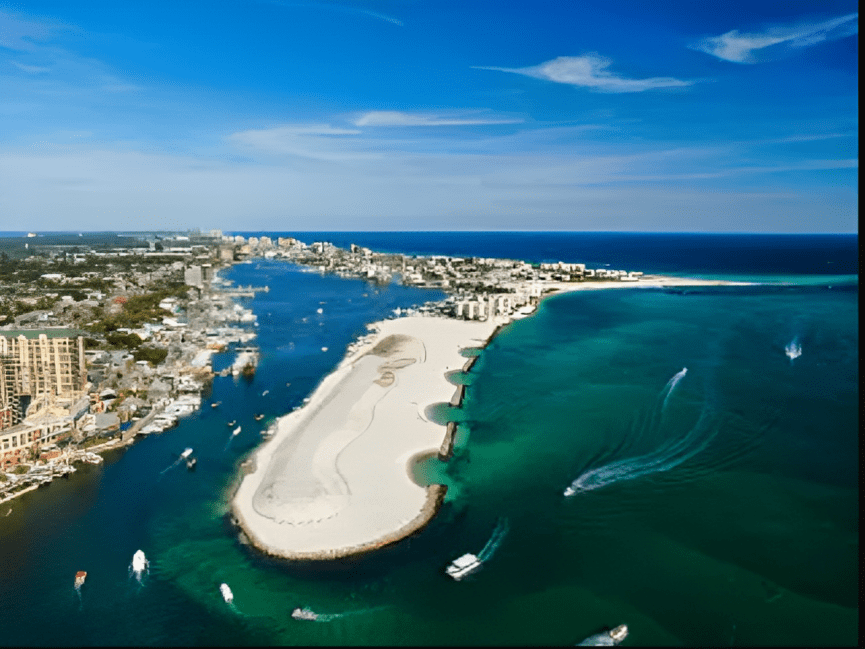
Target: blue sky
734	116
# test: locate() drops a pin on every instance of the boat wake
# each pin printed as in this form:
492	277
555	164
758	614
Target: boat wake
671	385
669	455
186	453
307	614
495	541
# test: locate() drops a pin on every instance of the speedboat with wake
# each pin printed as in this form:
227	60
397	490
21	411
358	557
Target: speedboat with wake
793	350
236	431
463	566
80	576
139	563
227	595
609	638
304	614
186	453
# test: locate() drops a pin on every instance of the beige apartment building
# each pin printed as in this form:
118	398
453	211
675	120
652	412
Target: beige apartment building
42	378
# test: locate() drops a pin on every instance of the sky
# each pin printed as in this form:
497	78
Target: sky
717	116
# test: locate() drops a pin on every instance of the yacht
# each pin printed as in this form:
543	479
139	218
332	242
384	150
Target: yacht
609	638
139	562
80	576
462	566
236	431
227	595
304	614
186	453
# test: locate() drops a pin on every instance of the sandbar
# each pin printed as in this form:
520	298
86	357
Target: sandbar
334	478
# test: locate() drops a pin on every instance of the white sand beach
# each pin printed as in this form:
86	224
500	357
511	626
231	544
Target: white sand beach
334	479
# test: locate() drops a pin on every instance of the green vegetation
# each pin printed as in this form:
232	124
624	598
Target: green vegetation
20	469
3	477
153	355
123	341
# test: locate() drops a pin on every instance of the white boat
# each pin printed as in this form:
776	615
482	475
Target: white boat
609	638
236	431
139	562
227	595
186	453
793	350
264	394
304	614
462	566
570	491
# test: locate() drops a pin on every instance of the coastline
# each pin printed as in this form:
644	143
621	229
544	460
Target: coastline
334	480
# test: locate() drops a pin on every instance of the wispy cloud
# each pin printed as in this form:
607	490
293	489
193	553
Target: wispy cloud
30	69
590	71
752	48
398	118
317	141
338	7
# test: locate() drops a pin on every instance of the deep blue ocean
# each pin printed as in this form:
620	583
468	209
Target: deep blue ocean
717	506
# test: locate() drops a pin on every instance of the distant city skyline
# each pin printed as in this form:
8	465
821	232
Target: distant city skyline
272	115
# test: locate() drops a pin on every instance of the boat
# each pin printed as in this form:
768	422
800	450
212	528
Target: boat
227	595
462	566
609	638
186	453
231	423
139	562
190	463
304	614
236	431
80	576
258	417
264	394
215	404
793	350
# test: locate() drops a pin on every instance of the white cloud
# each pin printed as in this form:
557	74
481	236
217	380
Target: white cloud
30	69
397	118
318	141
590	71
748	48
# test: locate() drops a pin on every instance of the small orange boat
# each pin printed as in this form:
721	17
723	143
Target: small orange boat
80	576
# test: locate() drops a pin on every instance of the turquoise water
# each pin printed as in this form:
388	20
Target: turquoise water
751	539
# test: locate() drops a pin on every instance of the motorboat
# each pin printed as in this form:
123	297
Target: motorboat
609	638
793	350
80	576
258	417
215	404
139	562
190	463
570	491
462	566
304	614
232	422
236	431
186	453
227	595
265	393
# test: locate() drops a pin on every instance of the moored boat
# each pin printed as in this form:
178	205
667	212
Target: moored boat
190	463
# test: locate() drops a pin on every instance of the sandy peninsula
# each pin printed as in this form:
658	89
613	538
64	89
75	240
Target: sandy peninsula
334	478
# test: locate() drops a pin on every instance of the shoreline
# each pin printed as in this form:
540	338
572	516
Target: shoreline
311	517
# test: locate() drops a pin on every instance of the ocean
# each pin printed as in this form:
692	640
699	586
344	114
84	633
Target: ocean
713	506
